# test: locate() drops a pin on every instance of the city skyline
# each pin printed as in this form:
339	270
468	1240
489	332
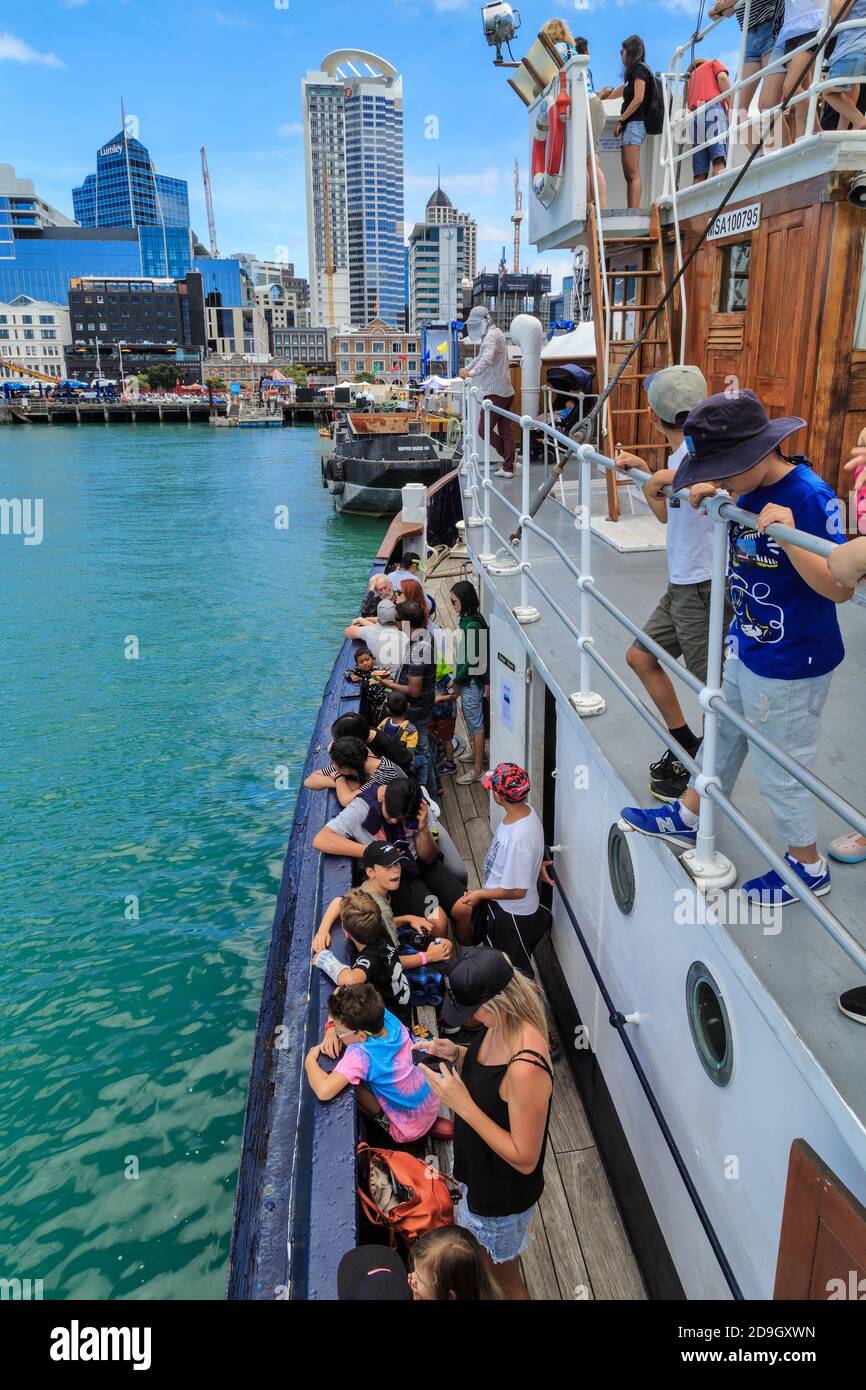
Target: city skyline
181	72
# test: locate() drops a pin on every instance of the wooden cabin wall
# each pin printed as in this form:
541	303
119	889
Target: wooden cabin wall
793	345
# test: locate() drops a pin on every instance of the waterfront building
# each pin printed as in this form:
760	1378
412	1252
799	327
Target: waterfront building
304	347
32	335
435	258
506	295
127	191
44	260
237	329
21	206
440	211
385	352
137	311
353	148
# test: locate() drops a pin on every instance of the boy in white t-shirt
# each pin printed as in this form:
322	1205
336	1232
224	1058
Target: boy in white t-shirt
680	621
513	919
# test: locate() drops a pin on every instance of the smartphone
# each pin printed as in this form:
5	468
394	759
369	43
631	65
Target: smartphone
421	1058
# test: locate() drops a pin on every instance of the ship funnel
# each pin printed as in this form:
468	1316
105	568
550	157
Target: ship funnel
528	334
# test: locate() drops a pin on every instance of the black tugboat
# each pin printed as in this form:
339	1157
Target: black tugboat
374	456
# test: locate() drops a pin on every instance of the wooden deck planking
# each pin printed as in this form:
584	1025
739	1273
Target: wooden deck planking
578	1247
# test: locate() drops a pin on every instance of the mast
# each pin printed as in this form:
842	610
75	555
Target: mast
517	216
208	198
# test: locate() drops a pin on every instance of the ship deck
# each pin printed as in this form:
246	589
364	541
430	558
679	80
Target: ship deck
579	1247
801	969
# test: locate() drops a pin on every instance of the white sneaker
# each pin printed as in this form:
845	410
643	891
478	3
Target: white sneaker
470	775
502	473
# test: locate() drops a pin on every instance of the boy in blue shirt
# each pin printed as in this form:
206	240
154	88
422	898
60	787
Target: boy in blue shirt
784	642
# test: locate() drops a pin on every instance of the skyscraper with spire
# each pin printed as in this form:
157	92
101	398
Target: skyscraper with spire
440	211
126	190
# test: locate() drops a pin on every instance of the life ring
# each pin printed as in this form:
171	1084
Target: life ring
548	144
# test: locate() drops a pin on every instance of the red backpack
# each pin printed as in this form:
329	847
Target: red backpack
421	1197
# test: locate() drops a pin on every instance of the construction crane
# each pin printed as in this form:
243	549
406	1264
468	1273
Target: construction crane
517	216
28	371
208	198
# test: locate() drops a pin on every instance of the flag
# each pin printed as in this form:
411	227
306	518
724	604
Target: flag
442	348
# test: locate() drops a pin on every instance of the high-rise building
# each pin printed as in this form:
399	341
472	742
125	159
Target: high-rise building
435	256
442	212
21	206
506	295
353	143
126	190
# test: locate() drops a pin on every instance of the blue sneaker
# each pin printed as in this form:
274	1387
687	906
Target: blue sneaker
663	823
771	891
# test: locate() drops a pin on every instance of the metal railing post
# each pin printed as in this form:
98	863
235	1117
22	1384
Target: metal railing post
741	59
525	612
708	867
470	469
815	75
486	556
586	701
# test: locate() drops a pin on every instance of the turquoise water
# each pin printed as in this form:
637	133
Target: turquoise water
143	832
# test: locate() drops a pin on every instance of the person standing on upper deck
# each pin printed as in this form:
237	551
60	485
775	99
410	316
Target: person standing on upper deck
765	20
708	80
848	59
491	374
801	22
636	92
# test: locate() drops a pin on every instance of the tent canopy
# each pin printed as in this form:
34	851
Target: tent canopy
571	347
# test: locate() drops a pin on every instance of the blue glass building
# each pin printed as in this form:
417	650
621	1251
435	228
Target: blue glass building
126	190
374	202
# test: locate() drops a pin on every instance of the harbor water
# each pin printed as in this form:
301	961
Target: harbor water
162	657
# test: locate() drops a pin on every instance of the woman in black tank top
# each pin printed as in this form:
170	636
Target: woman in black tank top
500	1093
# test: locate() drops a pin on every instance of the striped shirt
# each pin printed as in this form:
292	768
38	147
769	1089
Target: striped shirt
762	12
490	371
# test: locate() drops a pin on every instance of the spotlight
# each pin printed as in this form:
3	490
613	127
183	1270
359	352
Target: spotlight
500	22
857	191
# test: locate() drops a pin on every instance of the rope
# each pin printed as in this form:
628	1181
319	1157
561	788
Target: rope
583	429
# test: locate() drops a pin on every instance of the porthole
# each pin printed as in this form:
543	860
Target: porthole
621	870
710	1025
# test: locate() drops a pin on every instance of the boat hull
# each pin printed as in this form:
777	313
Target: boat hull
365	476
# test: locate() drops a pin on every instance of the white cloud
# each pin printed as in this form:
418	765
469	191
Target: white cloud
290	128
15	50
232	21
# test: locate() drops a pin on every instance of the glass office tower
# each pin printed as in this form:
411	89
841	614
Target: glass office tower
126	190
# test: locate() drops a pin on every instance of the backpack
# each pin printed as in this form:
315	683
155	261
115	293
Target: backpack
654	107
406	1194
426	983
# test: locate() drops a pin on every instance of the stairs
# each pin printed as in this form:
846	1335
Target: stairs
633	271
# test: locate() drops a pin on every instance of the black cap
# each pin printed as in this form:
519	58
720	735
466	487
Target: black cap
373	1272
479	975
728	434
380	852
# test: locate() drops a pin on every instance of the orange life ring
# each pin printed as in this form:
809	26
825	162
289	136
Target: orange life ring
548	145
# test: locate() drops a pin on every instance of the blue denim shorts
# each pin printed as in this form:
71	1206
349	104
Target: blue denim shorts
503	1237
849	65
709	125
633	133
781	50
472	700
759	42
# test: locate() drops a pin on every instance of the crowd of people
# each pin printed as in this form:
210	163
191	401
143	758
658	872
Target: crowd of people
415	934
783	32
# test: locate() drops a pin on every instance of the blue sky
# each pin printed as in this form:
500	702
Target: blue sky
228	76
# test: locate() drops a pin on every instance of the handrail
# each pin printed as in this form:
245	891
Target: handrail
678	122
618	1020
706	864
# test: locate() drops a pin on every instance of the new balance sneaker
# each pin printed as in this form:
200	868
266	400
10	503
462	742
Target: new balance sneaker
470	775
446	769
771	891
853	1003
662	825
668	777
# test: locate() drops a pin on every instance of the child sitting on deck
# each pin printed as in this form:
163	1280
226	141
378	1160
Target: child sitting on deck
366	674
378	1060
377	960
398	725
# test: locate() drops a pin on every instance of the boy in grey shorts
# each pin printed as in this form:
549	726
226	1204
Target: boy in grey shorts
680	620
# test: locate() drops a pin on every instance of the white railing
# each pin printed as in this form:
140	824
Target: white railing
679	123
707	866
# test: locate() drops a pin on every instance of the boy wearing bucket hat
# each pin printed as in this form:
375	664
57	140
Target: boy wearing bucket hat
784	642
506	912
680	621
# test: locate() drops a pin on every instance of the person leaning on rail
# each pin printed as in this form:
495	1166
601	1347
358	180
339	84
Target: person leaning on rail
491	375
784	642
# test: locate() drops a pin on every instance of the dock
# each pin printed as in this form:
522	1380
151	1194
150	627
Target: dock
579	1247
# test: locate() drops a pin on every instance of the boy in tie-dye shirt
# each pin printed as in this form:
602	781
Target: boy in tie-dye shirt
378	1060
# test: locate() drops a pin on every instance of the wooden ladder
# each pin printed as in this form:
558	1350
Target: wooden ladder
625	419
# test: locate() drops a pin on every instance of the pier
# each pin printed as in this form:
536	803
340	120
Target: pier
45	412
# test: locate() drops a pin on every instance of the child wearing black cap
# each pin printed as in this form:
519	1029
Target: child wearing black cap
784	642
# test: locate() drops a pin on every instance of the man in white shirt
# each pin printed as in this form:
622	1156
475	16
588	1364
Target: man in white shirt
510	916
384	637
680	621
491	375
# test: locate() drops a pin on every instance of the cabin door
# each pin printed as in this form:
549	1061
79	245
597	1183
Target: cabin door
779	329
822	1247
